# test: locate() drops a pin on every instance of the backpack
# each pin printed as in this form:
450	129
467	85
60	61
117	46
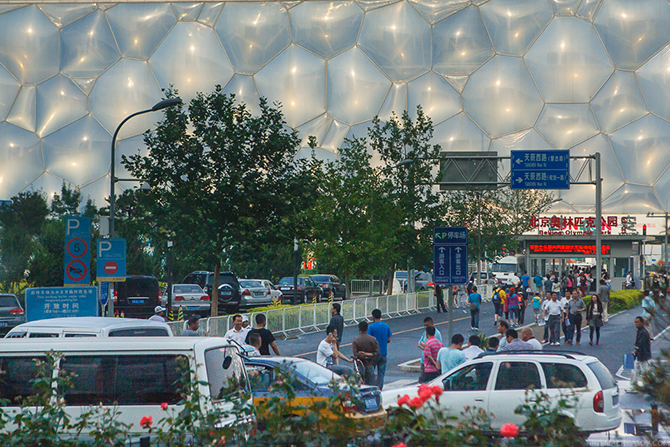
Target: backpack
469	287
496	297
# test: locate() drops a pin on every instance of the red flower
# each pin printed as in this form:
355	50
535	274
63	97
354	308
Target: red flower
416	402
509	430
437	390
425	392
164	406
402	444
146	421
404	400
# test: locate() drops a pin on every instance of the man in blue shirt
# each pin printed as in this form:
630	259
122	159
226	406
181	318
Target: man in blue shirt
475	300
525	281
382	332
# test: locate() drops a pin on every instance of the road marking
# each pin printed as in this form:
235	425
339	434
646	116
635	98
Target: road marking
400	332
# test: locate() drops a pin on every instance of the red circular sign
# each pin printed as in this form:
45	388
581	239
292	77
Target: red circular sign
76	270
76	247
111	267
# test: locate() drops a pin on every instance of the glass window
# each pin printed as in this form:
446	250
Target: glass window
563	375
471	378
322	278
315	373
16	335
225	372
79	335
251	284
517	376
140	332
603	375
261	378
288	281
43	335
9	301
17	378
190	288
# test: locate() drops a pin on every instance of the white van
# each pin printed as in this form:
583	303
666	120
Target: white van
135	375
90	327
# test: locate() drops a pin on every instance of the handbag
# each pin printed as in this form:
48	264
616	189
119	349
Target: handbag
474	306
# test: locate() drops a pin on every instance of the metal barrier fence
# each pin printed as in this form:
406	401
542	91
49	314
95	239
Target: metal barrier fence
362	287
314	317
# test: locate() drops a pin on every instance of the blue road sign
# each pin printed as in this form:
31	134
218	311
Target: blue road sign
541	169
104	293
111	260
5	203
450	255
56	302
77	269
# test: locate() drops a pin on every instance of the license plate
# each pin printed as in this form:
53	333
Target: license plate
227	293
615	400
371	404
192	307
286	288
136	301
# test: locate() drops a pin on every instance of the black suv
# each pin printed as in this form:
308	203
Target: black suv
11	312
307	290
137	297
331	285
229	288
201	278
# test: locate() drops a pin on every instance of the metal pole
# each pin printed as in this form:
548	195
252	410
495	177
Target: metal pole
599	184
665	246
294	300
450	296
169	278
479	239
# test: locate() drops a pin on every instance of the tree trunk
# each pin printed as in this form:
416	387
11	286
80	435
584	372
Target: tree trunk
215	288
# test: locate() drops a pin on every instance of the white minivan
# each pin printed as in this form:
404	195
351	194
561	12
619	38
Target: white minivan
135	375
90	327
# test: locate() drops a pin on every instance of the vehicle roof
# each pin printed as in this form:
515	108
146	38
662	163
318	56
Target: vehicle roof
90	323
274	360
539	355
105	344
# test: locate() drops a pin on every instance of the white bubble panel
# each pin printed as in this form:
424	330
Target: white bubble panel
565	125
631	199
588	8
435	95
435	10
395	102
187	11
527	139
140	27
9	89
460	134
609	167
21	157
654	79
23	110
316	128
64	14
87	47
59	103
619	102
335	136
245	91
565	7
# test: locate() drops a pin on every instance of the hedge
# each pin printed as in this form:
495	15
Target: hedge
621	300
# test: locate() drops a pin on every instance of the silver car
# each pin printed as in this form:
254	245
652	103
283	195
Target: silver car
191	298
254	293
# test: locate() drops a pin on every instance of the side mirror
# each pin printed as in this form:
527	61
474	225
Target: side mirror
227	361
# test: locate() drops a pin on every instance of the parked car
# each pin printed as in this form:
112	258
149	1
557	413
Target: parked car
497	383
202	278
314	385
307	290
190	297
254	293
331	285
137	296
11	312
70	327
272	289
423	281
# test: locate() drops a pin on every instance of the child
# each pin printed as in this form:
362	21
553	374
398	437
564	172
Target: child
537	303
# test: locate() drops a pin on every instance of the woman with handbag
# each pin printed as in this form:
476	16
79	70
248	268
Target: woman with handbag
594	316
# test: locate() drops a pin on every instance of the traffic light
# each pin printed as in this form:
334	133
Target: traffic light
644	230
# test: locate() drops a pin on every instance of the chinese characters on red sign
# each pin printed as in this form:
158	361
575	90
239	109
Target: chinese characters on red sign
582	249
573	226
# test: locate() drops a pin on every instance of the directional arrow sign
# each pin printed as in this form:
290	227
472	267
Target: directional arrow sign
450	255
540	169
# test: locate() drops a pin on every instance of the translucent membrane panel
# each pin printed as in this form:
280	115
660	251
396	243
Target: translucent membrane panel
59	103
21	157
661	188
356	88
245	91
210	12
565	125
87	47
49	185
291	4
317	152
514	24
435	95
397	39
568	61
588	9
526	139
611	174
140	27
501	96
633	31
253	33
84	84
64	14
458	82
460	134
619	102
23	110
78	153
632	199
326	28
99	190
297	79
7	8
127	87
565	7
192	60
654	79
395	102
128	147
460	43
434	10
187	11
367	5
335	136
9	88
316	128
29	45
642	149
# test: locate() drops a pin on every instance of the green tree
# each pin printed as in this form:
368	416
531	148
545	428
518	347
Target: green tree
221	177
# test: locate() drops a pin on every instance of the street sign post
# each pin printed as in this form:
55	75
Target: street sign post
104	293
77	269
540	169
450	255
56	302
111	260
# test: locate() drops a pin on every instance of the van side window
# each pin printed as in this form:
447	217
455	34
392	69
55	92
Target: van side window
140	332
562	375
71	335
223	381
43	335
124	379
17	377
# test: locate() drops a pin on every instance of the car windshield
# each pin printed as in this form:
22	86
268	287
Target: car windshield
507	268
401	274
8	301
287	280
188	288
603	375
315	373
249	283
321	278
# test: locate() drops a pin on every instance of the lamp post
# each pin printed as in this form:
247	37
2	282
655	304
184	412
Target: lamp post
665	243
114	180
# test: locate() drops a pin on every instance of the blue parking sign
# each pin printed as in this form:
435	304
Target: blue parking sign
450	255
77	268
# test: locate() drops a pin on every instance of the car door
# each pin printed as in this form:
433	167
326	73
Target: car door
510	383
466	387
563	379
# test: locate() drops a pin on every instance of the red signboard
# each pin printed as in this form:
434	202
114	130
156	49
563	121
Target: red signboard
569	249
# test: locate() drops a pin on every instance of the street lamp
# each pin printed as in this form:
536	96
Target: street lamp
665	243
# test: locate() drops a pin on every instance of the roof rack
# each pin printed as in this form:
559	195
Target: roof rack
566	354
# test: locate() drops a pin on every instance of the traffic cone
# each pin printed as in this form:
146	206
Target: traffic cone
171	315
180	314
116	313
123	315
330	297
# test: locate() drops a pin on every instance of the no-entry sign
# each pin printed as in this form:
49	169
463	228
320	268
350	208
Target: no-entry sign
111	265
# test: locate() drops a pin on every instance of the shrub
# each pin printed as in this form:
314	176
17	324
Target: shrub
621	300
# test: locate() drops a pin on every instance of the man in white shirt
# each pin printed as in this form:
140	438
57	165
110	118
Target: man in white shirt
565	303
237	333
327	350
528	336
515	280
473	349
159	314
555	311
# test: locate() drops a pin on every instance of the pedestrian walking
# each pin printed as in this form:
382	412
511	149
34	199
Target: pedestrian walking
548	284
450	357
237	332
537	279
428	322
382	332
267	337
366	349
439	296
431	348
564	322
255	343
337	320
556	285
604	292
523	303
505	304
498	298
475	301
594	316
513	307
642	351
648	311
575	307
545	316
555	312
537	307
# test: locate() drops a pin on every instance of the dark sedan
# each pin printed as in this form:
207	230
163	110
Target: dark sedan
307	290
331	285
11	312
